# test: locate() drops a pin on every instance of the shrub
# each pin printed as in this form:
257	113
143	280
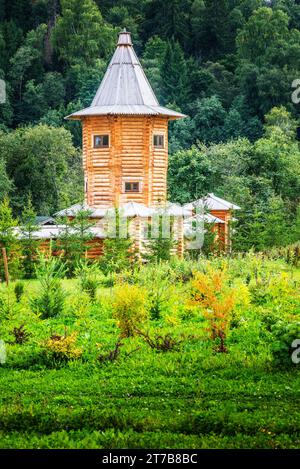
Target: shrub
284	334
112	355
160	248
51	299
161	343
89	277
217	300
8	304
129	308
61	348
118	250
19	291
21	335
156	280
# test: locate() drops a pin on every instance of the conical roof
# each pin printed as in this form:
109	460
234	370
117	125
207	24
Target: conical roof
125	88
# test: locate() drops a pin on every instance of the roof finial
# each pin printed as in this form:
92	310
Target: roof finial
124	38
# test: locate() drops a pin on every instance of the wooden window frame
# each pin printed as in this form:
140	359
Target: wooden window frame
159	135
132	191
100	135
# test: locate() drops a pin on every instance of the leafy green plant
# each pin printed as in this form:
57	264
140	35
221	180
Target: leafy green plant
50	301
61	349
118	248
21	335
8	304
284	333
161	247
161	343
19	291
113	355
90	278
157	282
213	295
29	243
74	238
129	308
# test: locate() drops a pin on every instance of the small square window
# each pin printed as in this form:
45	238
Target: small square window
101	141
132	187
158	141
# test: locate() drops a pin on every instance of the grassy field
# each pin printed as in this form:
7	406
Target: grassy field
189	397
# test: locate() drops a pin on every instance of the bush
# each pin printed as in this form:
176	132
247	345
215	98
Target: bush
19	291
51	299
61	348
129	308
284	334
156	280
161	343
8	304
21	336
90	278
217	299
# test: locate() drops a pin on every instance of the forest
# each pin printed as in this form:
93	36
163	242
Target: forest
151	349
231	65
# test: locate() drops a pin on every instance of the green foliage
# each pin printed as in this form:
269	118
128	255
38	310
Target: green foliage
156	279
169	364
90	278
44	164
50	301
74	237
226	64
161	243
174	74
129	308
29	243
10	241
284	335
60	349
80	34
19	290
118	248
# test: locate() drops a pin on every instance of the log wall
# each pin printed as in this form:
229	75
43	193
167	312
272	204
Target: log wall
131	156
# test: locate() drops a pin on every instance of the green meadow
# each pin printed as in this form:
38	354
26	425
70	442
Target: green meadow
154	358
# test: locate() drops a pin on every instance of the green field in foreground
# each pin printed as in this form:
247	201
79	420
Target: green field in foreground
192	397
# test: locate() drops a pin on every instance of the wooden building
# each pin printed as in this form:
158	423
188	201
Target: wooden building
125	136
216	212
125	154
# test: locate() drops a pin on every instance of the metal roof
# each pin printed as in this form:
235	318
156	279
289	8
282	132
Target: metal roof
212	202
129	209
125	88
43	220
53	232
205	218
74	209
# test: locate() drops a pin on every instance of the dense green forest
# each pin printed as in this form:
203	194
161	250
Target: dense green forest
228	64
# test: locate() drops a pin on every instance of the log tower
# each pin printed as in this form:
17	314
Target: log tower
125	136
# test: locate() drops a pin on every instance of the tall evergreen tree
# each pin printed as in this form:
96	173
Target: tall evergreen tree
174	75
29	243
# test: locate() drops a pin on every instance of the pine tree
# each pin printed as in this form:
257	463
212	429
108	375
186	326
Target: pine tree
159	248
118	252
10	241
74	237
174	75
30	244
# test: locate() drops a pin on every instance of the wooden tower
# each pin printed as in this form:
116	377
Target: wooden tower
125	136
